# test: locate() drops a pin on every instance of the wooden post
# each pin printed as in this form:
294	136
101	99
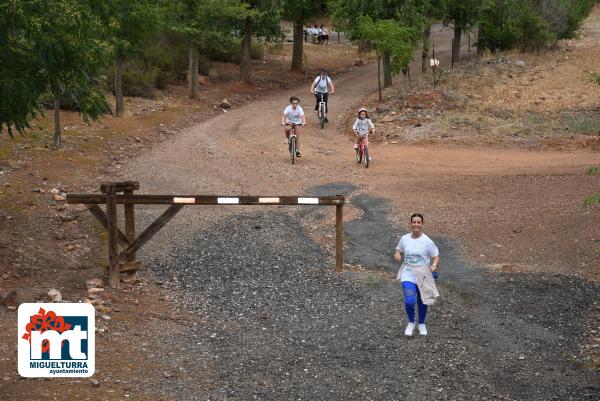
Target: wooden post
339	238
130	229
113	237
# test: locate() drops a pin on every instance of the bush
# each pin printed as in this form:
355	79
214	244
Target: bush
138	81
257	51
530	24
534	31
499	26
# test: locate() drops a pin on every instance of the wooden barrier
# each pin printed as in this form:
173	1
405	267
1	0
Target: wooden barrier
121	193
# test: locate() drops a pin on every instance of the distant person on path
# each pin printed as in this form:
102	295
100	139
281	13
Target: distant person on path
324	35
321	87
315	31
293	114
418	284
362	126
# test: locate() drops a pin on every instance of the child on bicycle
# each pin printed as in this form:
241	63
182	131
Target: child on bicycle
322	87
362	126
293	115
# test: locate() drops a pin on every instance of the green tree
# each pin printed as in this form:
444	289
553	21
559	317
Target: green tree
203	22
299	12
135	22
464	15
262	20
56	48
410	14
390	38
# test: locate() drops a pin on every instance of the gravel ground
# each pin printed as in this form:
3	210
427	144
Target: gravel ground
279	324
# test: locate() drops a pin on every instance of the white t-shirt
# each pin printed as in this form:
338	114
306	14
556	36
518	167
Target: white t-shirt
363	126
417	252
322	84
293	116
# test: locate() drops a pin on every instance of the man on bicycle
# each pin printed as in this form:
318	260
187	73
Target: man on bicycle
293	115
321	87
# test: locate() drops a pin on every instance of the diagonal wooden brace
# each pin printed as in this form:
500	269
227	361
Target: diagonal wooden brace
149	232
101	216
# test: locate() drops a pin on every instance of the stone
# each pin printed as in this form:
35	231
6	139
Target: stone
520	63
225	104
39	190
95	290
94	283
95	383
453	96
16	297
358	62
55	191
66	216
54	295
58	198
202	80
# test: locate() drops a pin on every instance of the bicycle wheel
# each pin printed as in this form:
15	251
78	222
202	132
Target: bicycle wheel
366	156
358	155
293	148
322	114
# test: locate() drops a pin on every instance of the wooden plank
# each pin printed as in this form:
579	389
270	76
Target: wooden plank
199	199
150	231
113	241
120	186
339	238
130	232
101	216
130	267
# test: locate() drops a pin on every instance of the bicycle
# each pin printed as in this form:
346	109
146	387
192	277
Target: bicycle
362	152
321	109
292	141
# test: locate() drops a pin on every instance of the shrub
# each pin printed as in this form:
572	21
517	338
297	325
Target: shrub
257	51
138	81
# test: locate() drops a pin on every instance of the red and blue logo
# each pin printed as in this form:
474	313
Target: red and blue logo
56	340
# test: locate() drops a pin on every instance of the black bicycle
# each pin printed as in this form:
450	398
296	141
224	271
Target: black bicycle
292	141
321	109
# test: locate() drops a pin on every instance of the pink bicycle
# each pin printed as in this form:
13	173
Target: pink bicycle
362	152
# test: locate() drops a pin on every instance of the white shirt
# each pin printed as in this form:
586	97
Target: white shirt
322	84
293	116
417	252
363	126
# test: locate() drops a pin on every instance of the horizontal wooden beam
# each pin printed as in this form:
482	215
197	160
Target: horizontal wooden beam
91	199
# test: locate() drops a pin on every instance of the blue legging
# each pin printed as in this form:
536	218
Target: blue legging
412	296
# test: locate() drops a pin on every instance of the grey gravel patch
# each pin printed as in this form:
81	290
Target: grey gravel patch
279	324
372	238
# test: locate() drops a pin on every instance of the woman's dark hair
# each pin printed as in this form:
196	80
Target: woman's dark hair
294	98
417	215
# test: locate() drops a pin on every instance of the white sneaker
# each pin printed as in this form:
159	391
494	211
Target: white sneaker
422	330
285	141
409	329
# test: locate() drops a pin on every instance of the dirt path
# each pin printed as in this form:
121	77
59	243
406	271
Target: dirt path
506	221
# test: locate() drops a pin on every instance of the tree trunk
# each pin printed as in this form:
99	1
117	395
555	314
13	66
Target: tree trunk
456	45
364	46
425	52
387	72
379	77
193	71
57	141
245	56
298	47
119	107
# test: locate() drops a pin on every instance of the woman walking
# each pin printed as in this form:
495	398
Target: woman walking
421	258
